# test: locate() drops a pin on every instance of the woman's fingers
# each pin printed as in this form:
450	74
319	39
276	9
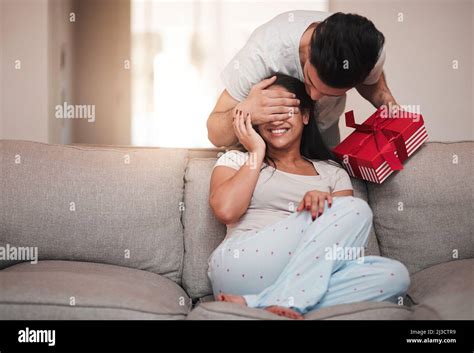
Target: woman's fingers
322	198
237	126
314	208
248	123
329	201
242	128
300	206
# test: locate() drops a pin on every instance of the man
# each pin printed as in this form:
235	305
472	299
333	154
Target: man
329	53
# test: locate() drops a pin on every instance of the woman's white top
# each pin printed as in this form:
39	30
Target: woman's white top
277	193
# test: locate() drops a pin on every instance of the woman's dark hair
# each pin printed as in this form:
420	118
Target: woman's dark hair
312	145
344	49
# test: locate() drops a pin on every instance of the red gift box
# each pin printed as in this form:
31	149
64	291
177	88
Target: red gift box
381	144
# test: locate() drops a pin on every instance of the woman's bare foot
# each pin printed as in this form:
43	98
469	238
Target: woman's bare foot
278	310
287	312
238	299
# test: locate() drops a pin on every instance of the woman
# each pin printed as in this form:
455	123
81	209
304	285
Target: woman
285	260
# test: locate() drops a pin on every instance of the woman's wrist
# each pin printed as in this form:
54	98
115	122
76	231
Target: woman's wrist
256	157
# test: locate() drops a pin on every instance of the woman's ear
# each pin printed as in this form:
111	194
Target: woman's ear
306	119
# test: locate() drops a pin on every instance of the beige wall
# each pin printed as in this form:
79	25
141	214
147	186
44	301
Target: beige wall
61	63
420	52
102	43
24	92
79	62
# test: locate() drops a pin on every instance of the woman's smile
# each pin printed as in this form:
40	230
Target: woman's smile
278	131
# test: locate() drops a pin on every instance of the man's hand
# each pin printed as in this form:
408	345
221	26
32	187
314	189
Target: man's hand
314	201
266	105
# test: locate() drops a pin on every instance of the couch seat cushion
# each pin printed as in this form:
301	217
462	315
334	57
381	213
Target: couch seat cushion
354	311
47	289
444	291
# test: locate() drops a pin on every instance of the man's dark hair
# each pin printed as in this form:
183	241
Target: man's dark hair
342	37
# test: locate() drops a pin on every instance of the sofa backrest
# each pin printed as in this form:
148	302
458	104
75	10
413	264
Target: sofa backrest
203	233
96	204
423	214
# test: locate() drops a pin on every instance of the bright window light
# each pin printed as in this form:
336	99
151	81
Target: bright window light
178	51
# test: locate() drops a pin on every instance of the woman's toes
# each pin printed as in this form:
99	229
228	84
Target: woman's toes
231	298
286	312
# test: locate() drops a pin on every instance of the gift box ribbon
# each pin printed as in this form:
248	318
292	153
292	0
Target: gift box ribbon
378	128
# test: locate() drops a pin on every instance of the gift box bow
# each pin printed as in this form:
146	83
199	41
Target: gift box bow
387	141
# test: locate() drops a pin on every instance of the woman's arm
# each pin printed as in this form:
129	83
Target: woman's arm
343	193
231	190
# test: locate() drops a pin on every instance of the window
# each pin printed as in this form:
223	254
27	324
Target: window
178	51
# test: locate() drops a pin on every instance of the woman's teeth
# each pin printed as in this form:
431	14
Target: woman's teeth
279	131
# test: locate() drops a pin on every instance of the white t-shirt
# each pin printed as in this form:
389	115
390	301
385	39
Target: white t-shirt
277	193
274	47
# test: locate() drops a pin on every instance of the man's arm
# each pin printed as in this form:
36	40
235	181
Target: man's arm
378	94
220	130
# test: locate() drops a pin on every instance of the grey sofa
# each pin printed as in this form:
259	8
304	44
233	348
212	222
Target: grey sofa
125	233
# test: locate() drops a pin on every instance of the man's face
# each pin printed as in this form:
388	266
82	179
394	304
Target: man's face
315	88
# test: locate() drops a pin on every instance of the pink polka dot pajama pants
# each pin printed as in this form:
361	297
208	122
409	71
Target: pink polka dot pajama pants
308	265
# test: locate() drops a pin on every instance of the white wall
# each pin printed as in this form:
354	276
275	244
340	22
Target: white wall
420	53
24	92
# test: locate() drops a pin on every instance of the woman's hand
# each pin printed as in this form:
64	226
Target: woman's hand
247	135
314	201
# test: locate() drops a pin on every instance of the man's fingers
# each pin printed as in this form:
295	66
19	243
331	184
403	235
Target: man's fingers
280	110
271	93
266	83
286	102
278	117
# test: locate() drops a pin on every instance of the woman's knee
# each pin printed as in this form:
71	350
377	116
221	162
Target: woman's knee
397	278
360	206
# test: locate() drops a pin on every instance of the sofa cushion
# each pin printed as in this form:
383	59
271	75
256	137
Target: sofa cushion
444	292
354	311
97	204
203	233
423	214
48	289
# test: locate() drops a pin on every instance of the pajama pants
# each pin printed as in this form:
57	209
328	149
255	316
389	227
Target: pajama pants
305	265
